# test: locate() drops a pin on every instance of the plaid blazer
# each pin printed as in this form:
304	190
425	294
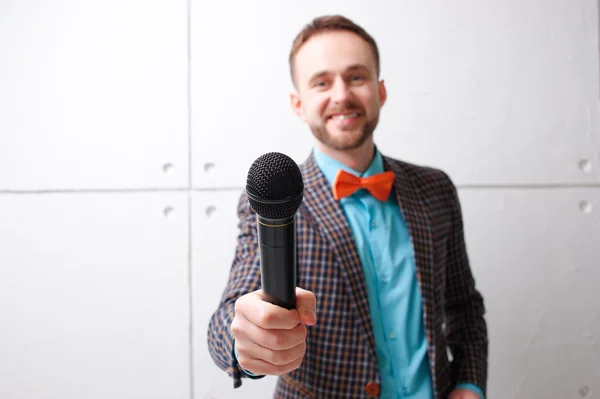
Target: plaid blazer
340	359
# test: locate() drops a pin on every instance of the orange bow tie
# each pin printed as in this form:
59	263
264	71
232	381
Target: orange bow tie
379	185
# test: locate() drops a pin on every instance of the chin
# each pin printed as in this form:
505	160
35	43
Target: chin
341	139
346	140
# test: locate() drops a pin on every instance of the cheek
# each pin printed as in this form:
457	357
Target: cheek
317	108
369	99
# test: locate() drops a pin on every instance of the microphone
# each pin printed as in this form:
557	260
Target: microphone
275	191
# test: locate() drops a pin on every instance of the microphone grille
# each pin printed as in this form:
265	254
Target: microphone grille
274	186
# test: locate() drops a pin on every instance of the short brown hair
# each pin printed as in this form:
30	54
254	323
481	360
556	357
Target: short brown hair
330	23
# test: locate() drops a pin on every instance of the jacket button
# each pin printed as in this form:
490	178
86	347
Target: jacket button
372	389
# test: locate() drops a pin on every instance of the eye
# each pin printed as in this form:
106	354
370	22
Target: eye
320	84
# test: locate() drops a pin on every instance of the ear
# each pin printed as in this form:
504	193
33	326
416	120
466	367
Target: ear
382	93
296	104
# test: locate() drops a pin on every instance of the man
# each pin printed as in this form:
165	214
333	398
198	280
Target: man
383	267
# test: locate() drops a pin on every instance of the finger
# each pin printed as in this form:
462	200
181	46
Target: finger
306	303
270	339
265	314
261	367
252	350
454	395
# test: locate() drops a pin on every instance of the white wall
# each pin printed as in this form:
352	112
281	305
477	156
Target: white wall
117	201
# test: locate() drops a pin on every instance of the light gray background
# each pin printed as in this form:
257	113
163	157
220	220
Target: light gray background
127	129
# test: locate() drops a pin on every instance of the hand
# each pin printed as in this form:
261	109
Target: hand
463	394
271	340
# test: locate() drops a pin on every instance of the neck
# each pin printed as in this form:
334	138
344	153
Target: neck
358	158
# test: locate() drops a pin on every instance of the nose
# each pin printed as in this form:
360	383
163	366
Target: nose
340	91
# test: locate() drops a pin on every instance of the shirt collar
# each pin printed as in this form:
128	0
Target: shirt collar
330	166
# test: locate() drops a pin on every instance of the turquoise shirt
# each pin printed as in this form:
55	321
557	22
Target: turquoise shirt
385	250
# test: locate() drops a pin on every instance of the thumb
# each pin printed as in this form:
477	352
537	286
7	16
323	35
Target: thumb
306	304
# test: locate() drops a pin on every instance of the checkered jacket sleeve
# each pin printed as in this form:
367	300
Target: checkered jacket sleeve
244	277
466	329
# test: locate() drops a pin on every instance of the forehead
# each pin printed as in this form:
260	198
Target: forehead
334	52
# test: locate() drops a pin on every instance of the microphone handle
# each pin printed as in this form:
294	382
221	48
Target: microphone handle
277	238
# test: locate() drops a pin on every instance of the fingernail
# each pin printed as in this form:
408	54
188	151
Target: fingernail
310	314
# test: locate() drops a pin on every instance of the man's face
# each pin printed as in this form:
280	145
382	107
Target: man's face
338	94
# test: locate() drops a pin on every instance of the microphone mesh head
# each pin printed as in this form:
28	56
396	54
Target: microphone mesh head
274	186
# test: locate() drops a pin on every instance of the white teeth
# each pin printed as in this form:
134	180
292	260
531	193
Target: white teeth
346	116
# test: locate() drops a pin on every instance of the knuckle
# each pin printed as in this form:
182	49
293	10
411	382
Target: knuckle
287	357
236	327
303	331
266	317
298	362
242	349
278	358
299	333
238	303
238	307
281	370
277	340
302	348
292	366
242	302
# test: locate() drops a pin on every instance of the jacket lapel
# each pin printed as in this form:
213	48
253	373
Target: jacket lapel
331	221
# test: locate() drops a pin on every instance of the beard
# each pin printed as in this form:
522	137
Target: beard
349	138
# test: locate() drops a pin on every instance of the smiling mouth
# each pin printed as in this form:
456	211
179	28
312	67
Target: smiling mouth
344	116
